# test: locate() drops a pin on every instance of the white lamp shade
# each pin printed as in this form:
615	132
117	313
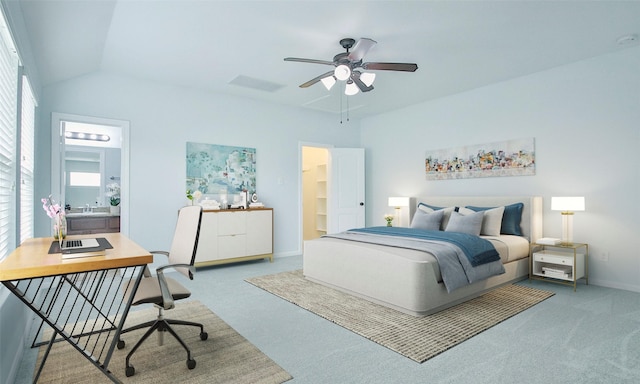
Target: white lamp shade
351	89
567	204
328	82
342	72
368	78
398	202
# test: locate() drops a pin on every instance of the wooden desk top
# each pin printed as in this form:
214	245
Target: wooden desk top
31	259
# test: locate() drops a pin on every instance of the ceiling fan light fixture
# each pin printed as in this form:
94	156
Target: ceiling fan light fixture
328	82
351	88
367	78
342	72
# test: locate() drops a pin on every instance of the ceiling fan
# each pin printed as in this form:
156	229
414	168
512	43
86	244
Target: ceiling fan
349	67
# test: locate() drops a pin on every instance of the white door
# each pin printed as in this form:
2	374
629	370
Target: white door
345	183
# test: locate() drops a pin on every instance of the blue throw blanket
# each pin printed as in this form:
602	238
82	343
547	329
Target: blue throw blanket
478	250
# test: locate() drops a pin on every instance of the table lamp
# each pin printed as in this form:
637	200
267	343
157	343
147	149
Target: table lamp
398	203
567	205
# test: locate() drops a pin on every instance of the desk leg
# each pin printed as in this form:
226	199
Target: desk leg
83	314
46	354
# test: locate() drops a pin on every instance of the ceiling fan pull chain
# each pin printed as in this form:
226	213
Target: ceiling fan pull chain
347	108
341	92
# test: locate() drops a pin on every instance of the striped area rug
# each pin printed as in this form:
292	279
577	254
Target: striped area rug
225	357
417	338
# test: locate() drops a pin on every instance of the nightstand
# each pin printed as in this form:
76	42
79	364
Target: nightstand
561	263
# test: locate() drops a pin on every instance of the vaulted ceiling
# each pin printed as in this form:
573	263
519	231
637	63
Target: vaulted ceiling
237	47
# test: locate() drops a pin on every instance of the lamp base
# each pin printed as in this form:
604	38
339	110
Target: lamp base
567	228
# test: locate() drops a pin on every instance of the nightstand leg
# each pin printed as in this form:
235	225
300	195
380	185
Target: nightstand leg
586	264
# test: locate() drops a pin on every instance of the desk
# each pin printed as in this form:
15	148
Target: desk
80	299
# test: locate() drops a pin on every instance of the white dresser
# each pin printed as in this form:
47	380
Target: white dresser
232	235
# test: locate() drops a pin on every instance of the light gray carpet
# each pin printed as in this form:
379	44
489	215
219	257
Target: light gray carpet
418	338
226	357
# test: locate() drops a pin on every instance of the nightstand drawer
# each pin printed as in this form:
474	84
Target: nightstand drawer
553	258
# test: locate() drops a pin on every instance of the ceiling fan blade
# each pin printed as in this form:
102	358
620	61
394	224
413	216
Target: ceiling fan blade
355	76
316	79
360	49
406	67
312	61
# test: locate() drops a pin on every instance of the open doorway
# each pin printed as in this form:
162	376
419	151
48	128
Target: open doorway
332	190
90	167
314	191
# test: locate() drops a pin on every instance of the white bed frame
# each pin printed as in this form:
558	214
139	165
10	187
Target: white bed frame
403	279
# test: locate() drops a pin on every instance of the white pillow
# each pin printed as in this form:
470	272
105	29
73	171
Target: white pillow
471	223
491	222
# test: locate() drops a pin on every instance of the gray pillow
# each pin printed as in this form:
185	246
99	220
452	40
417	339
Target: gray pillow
445	218
492	221
470	224
427	221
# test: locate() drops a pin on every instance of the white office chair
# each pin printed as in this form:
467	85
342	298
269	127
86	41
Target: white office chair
161	291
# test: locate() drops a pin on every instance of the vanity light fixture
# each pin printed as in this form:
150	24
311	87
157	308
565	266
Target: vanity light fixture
86	136
567	205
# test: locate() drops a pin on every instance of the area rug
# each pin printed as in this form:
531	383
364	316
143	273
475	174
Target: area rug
417	338
225	357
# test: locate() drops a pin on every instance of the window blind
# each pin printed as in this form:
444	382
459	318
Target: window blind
27	132
8	105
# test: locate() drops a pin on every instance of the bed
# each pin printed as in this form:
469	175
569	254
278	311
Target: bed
410	280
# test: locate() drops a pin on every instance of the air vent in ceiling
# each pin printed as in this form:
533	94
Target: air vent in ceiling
253	83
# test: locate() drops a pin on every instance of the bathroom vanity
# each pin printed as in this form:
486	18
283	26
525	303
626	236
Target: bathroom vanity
88	223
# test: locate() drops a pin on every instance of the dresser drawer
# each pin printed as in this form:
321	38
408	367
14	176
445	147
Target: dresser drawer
553	258
232	223
231	246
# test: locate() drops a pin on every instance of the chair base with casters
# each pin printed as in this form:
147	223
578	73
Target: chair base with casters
161	325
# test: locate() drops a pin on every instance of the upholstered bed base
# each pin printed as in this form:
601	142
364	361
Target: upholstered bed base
406	280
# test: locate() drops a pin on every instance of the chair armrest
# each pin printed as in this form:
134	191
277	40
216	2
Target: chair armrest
191	268
167	298
147	272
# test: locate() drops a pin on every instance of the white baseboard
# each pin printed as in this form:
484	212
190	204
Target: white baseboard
615	285
287	254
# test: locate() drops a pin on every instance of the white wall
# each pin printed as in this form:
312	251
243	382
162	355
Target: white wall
585	118
164	118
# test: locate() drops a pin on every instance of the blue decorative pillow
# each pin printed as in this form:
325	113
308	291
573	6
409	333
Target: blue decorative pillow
511	218
432	207
427	221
